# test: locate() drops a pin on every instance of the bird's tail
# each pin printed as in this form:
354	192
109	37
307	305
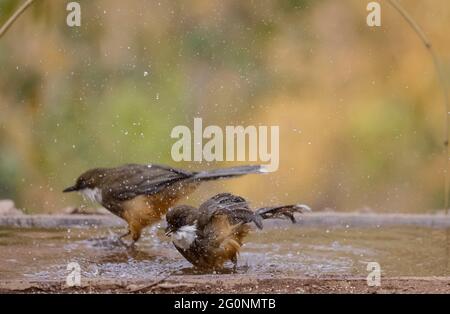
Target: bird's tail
222	173
284	211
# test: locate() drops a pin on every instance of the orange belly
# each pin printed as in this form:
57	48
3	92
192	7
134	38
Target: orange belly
145	210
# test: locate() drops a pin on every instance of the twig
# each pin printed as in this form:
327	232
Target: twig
14	17
151	285
442	81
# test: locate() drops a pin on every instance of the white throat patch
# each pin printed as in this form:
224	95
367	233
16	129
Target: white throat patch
184	236
94	195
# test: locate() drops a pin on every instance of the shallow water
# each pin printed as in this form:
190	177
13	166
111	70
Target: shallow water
36	254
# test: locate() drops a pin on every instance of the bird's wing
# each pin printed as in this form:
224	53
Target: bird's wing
234	208
282	212
132	180
224	201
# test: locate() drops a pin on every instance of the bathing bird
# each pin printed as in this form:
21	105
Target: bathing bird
213	234
142	194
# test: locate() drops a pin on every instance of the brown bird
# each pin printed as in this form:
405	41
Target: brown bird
213	234
142	194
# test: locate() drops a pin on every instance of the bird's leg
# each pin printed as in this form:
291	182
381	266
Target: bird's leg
135	231
123	236
234	261
135	236
131	246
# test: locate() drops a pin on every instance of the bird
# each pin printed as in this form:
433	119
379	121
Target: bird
211	235
141	194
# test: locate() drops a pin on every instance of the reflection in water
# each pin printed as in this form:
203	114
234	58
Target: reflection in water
44	254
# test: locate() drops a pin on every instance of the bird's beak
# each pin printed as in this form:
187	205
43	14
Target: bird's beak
71	189
169	230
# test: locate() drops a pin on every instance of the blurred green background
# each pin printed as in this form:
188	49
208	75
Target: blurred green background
360	109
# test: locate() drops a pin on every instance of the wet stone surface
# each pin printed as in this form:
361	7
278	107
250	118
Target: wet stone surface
43	254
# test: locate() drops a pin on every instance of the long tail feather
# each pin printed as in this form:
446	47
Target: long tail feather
228	172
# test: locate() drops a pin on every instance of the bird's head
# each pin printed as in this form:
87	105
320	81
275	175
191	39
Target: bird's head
91	179
179	217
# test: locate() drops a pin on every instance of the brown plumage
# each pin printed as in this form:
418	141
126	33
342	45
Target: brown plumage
142	194
213	234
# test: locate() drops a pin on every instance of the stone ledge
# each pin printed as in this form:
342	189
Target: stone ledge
235	284
325	219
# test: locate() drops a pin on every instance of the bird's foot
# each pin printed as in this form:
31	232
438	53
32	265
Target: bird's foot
124	243
131	246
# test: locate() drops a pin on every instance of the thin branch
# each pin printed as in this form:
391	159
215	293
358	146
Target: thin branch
14	17
441	76
151	285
